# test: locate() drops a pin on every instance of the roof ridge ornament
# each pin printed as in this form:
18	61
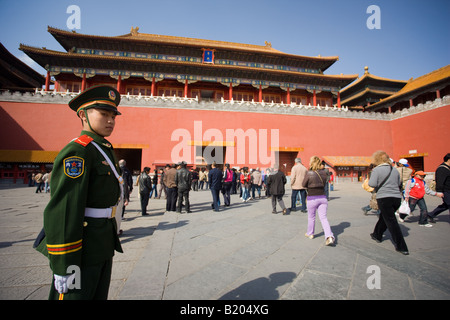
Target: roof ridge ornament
268	44
134	31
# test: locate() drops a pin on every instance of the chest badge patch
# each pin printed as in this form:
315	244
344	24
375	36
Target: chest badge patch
74	167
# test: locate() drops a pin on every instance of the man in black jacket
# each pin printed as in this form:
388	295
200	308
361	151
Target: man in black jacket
442	185
145	185
183	180
215	181
275	184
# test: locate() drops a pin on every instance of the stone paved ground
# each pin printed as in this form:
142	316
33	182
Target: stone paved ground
242	252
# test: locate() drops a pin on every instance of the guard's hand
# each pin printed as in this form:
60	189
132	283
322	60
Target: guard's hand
439	194
62	282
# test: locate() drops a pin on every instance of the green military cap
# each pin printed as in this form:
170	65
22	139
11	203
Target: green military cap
100	97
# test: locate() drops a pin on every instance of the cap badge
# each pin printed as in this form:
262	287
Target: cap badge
112	95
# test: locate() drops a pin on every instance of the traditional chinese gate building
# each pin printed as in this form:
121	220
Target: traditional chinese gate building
181	95
155	65
368	90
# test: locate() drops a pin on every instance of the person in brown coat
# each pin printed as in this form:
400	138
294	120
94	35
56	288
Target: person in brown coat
172	191
297	175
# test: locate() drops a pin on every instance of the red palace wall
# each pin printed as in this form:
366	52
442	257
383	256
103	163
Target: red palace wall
316	135
36	126
427	132
39	126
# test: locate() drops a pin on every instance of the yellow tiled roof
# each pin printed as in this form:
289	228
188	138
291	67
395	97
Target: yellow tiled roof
33	156
369	75
426	79
195	41
33	50
135	35
362	93
422	81
351	161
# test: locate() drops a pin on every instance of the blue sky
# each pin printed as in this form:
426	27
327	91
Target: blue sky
413	39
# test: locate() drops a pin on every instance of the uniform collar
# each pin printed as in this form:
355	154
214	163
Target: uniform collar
100	140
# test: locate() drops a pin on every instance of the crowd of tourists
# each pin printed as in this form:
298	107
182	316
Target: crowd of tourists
176	181
395	187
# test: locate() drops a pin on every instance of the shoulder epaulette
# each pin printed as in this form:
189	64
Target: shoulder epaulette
84	140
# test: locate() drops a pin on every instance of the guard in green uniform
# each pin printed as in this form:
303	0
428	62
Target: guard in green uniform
79	220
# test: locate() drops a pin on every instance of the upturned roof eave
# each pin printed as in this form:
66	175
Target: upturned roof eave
417	86
366	92
52	55
61	35
18	66
368	77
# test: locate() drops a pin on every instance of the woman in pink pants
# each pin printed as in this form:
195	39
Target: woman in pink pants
314	182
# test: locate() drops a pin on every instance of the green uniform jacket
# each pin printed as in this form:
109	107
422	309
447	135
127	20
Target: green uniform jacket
81	178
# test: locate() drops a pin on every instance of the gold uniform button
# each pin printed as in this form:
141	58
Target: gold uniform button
85	224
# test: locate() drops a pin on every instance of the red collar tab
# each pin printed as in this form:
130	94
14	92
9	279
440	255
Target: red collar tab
84	140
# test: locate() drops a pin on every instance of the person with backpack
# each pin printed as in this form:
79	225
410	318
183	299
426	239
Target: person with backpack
405	171
39	182
415	191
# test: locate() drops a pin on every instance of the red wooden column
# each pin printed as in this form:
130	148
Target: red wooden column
260	94
438	94
314	98
339	99
47	81
186	88
288	96
119	83
83	82
230	92
153	86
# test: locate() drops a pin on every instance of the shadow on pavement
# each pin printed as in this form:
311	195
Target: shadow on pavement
261	288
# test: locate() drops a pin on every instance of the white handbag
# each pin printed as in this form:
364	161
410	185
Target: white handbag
404	208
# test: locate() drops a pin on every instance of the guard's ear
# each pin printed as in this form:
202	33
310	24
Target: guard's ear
82	115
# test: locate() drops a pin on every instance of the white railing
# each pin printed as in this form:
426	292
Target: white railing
196	99
232	105
173	98
282	104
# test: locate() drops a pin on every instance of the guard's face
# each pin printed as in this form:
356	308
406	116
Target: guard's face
102	121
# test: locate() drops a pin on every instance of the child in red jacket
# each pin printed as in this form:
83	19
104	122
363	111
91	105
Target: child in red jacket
415	191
